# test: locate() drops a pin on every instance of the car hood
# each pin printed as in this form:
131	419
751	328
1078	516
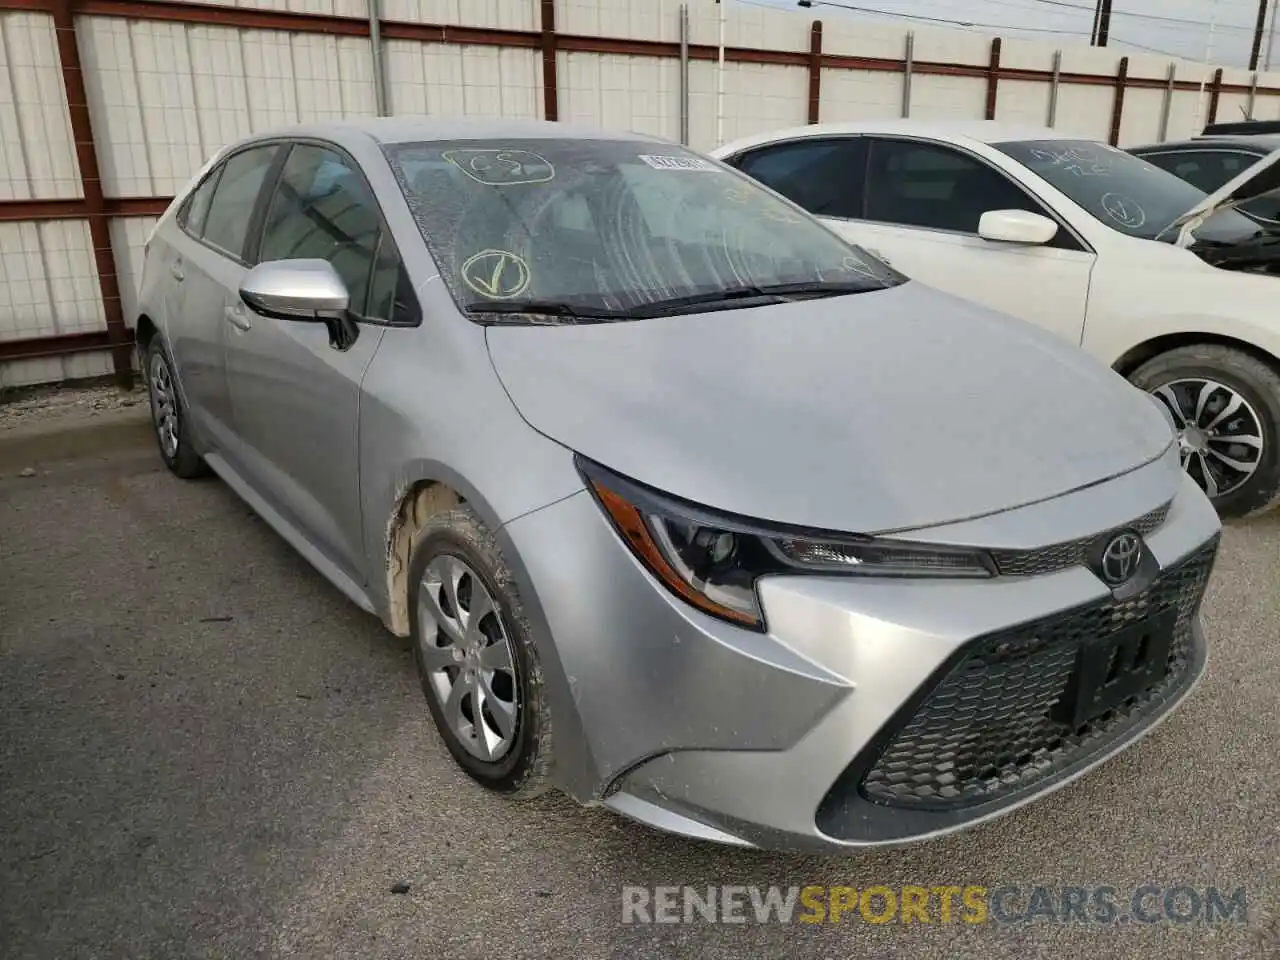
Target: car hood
868	413
1259	180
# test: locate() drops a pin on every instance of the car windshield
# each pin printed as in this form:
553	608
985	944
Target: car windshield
1125	192
610	229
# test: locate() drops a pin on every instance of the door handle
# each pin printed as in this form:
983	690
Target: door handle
175	269
236	316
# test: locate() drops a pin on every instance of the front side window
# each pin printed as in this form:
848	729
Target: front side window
611	227
823	176
928	185
1127	193
323	209
227	223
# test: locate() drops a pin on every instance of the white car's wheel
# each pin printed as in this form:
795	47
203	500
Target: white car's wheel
1226	406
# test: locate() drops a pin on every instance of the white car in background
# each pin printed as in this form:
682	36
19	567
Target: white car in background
1144	271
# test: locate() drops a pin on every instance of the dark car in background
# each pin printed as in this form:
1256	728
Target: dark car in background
1222	153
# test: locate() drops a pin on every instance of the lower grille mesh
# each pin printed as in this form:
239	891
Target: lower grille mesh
986	730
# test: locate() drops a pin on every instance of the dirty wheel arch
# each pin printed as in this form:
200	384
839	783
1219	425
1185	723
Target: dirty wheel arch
414	508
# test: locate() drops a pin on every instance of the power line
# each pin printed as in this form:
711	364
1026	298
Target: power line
915	16
1121	13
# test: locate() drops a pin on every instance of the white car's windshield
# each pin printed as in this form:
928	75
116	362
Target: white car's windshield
610	228
1125	192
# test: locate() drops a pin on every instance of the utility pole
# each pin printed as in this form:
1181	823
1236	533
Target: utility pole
1104	22
1256	52
1097	18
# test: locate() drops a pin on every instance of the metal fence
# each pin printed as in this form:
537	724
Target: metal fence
113	104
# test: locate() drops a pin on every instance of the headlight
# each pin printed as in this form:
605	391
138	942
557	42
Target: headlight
713	561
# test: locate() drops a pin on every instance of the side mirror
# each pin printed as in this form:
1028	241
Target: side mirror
1016	226
295	290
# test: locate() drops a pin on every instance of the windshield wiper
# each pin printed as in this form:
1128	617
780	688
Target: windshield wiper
778	292
550	308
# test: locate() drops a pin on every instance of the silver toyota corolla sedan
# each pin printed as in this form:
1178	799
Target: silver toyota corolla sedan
689	507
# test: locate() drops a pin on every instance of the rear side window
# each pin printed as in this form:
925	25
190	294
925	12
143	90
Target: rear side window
227	223
191	217
823	176
323	209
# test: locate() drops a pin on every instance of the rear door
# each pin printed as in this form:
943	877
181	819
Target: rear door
296	397
208	262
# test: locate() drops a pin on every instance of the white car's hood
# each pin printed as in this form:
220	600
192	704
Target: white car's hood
1259	180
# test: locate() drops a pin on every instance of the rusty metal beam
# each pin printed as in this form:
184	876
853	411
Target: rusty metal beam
1215	93
17	210
1117	104
815	71
547	41
993	78
62	344
64	14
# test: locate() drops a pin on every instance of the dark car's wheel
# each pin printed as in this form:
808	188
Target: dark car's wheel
479	670
1226	407
168	416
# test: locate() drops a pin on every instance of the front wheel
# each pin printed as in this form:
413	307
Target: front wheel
479	669
1226	408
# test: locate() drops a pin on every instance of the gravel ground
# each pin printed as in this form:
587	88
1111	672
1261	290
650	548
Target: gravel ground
208	752
47	405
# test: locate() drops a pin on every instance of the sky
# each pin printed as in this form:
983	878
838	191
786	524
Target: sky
1176	27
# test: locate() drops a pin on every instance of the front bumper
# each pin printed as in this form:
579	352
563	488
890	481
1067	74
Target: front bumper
818	734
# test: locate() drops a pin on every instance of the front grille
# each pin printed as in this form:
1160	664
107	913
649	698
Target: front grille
987	729
1073	553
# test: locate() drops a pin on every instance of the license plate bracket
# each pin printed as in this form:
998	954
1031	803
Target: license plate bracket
1111	669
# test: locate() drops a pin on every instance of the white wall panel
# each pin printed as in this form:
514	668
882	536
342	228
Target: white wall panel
745	25
127	238
450	80
504	14
952	46
47	280
948	98
859	95
599	91
221	87
649	20
1140	119
162	73
1084	111
1021	54
271	91
757	97
78	366
863	38
37	152
1024	102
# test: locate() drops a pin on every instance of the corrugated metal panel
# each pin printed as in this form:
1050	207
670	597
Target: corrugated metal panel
860	95
757	97
948	98
127	238
599	91
502	14
47	280
37	156
453	80
80	366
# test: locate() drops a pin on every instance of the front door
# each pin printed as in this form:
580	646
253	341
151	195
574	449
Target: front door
295	396
923	201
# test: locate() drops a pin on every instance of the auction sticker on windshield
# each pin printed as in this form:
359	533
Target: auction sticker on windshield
679	163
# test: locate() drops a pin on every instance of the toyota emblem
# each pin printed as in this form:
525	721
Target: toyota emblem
1120	558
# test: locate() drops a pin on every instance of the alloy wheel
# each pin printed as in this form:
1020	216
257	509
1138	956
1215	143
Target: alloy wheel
466	651
1220	438
164	406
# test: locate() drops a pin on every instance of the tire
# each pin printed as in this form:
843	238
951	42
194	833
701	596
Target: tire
1177	376
457	542
167	411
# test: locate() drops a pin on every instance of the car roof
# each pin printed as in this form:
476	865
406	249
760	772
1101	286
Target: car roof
958	131
410	129
1262	143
